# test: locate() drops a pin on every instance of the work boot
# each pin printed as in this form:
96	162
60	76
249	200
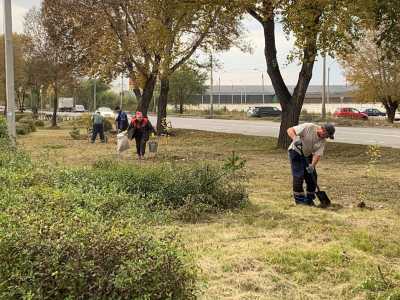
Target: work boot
301	199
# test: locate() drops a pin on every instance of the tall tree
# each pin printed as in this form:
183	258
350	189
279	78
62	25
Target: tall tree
184	83
142	39
374	73
47	54
318	26
20	75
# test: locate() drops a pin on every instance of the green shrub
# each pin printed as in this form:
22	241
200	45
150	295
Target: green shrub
3	129
61	258
23	128
39	123
75	133
216	187
65	244
28	121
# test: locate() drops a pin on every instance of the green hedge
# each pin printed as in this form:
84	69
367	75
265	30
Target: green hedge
59	243
60	258
168	186
3	129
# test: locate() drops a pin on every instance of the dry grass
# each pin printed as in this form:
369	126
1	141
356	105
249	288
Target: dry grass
273	249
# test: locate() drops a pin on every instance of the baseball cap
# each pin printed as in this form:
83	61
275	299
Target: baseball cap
330	129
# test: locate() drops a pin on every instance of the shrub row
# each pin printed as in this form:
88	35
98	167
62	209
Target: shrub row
168	186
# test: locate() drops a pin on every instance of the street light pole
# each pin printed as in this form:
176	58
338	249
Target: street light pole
95	95
262	78
328	94
9	60
211	88
122	91
324	88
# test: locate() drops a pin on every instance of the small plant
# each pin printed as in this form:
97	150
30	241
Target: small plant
75	133
234	162
374	156
3	129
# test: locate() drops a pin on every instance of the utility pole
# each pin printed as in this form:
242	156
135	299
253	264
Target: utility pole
9	61
219	90
263	92
328	98
122	91
211	88
95	95
324	89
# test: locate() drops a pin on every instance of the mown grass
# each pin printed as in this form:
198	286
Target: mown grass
272	249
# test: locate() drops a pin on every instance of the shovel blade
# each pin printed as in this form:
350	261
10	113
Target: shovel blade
323	198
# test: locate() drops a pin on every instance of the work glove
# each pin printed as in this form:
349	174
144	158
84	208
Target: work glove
298	144
310	169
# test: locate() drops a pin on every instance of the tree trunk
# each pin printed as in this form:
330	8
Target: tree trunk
180	101
291	104
391	107
55	106
147	94
162	105
35	95
181	107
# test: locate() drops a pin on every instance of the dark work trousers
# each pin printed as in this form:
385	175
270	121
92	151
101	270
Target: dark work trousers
98	129
140	144
299	164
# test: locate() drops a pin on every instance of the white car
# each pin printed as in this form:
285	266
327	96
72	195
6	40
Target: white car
106	112
2	108
79	108
397	116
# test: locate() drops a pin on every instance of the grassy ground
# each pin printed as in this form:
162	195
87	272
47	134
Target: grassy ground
273	249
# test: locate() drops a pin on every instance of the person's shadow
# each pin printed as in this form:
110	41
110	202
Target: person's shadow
333	207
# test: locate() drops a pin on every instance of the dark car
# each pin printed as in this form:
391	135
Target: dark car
350	113
264	111
373	112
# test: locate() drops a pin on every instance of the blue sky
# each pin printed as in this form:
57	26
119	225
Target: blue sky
238	68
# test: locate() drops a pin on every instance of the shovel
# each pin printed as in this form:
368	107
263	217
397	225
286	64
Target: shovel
321	195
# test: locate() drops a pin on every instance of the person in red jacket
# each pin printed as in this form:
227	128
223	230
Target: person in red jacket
140	129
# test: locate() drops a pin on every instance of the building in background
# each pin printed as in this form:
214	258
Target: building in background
252	94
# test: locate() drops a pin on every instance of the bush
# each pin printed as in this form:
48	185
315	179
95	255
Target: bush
3	129
65	244
75	133
30	122
217	188
61	258
23	128
39	123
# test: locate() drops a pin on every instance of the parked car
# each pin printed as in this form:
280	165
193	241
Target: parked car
374	112
106	112
350	113
264	111
397	116
79	108
2	108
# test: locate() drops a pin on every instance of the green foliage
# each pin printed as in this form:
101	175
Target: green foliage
184	83
82	259
39	123
169	186
59	241
30	122
23	128
3	129
75	133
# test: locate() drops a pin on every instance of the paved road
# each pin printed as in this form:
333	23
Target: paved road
389	137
